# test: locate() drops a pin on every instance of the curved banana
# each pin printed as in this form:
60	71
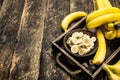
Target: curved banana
110	74
101	51
110	34
115	68
101	12
71	17
103	20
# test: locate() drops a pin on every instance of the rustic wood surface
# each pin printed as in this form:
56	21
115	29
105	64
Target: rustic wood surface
27	28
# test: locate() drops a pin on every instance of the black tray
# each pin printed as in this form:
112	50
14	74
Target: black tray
74	65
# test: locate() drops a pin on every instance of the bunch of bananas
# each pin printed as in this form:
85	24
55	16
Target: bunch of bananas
109	17
105	15
113	71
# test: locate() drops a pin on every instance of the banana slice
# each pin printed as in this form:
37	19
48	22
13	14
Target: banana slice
74	40
93	39
86	41
87	50
92	45
82	51
77	35
79	41
69	41
74	34
74	49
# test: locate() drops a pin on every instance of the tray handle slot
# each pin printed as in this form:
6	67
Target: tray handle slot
65	67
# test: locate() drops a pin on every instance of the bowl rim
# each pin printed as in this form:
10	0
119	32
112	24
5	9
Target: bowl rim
85	32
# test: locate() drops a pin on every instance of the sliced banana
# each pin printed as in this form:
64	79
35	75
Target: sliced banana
74	49
93	39
92	45
82	51
77	35
74	34
87	50
69	41
81	43
74	40
86	42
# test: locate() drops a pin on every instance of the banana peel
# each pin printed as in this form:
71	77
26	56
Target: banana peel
72	17
110	74
101	51
115	68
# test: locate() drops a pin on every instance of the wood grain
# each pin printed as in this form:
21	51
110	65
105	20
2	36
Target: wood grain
28	27
10	15
25	63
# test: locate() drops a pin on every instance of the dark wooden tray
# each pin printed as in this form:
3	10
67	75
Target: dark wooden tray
74	65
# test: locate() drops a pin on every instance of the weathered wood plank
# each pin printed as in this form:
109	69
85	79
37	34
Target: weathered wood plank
26	57
10	15
55	11
1	1
81	5
117	3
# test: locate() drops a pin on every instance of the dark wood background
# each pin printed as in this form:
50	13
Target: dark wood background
27	28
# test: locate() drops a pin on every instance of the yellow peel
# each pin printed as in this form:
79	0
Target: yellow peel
71	17
101	20
101	51
101	12
109	26
107	3
99	4
110	34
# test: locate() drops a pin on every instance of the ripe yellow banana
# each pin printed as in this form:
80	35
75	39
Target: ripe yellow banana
115	68
101	12
101	51
99	4
71	17
110	34
107	3
101	20
110	74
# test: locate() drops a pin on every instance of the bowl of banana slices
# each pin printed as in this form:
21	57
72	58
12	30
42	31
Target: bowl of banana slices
80	42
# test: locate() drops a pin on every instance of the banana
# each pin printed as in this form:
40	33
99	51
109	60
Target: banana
101	20
110	74
117	23
110	34
101	51
109	26
115	68
101	12
99	4
107	3
71	17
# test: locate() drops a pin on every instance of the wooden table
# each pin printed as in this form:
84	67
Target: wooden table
27	28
